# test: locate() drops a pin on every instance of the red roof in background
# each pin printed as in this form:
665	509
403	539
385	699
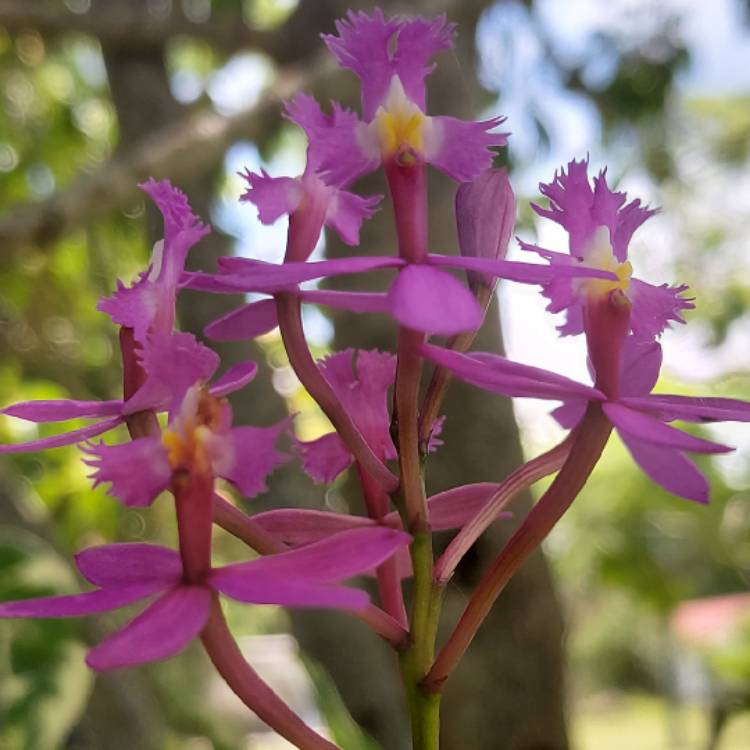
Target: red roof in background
711	620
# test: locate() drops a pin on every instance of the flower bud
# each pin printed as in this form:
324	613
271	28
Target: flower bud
485	216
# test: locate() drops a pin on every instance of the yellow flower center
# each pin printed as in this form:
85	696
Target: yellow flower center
187	440
399	125
600	255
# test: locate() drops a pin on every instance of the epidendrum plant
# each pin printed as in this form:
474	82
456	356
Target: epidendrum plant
303	557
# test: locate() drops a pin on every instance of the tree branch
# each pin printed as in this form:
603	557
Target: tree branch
186	149
125	24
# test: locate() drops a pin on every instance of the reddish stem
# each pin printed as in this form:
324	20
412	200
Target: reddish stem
242	526
408	187
519	479
193	493
142	423
590	438
301	360
408	376
226	656
385	626
389	582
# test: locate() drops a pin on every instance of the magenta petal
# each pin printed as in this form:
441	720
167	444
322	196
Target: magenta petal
77	605
149	304
61	410
335	147
66	438
246	322
693	408
461	148
138	471
525	273
134	306
418	41
426	299
346	213
288	593
363	46
668	468
435	441
173	363
654	307
330	560
495	373
454	508
254	457
361	380
273	196
162	630
560	291
570	413
297	526
325	458
129	563
236	377
271	277
359	302
581	210
651	430
641	363
376	49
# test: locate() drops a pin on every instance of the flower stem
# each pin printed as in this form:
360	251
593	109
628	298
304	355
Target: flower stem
389	582
519	479
142	423
408	189
589	440
193	494
301	360
242	526
226	656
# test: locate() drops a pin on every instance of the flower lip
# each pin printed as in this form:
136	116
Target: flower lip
190	438
599	254
399	126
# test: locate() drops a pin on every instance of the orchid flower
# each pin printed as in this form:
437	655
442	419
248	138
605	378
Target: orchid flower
128	573
391	58
640	417
171	364
199	436
148	306
361	380
600	225
309	200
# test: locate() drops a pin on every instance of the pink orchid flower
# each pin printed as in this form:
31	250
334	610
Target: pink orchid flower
600	225
640	417
171	363
149	304
199	437
361	380
129	573
309	200
391	58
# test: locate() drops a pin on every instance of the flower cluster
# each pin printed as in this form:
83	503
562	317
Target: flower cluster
307	555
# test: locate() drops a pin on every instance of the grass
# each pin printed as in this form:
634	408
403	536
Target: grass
648	723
